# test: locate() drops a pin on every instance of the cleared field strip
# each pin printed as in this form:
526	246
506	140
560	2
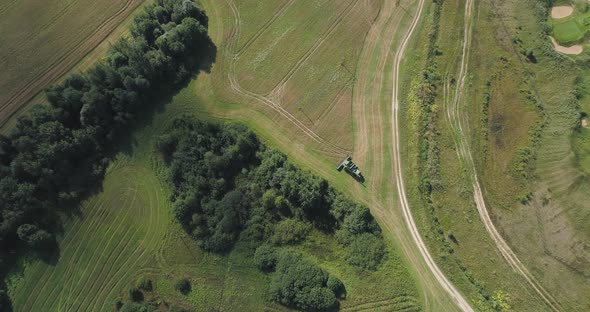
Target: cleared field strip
117	235
328	147
47	51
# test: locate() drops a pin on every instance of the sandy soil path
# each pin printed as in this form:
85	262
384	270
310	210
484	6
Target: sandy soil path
561	11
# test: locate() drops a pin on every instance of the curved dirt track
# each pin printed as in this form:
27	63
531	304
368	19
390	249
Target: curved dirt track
440	277
64	63
459	123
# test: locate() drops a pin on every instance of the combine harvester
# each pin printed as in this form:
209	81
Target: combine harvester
351	168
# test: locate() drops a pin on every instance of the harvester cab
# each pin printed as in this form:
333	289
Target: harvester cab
351	168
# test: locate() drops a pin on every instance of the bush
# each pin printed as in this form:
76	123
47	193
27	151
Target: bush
34	236
301	284
289	231
135	295
145	284
137	307
265	258
336	286
183	286
317	299
366	251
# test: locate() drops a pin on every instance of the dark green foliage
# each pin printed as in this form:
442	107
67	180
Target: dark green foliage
183	286
336	286
289	231
34	236
366	251
145	284
135	295
58	153
226	186
266	258
301	284
137	307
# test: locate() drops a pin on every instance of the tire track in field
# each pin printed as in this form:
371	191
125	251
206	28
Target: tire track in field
8	6
102	213
322	38
264	28
153	223
100	265
331	149
117	250
76	269
141	256
139	246
63	63
460	126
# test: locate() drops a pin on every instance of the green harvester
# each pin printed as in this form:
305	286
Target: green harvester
351	168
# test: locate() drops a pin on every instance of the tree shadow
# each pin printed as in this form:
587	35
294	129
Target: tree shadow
161	96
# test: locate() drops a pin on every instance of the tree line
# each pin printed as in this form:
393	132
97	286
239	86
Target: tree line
58	152
228	187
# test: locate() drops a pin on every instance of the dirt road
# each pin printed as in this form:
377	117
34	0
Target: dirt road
440	277
460	126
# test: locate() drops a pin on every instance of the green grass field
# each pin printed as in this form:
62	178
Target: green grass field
116	236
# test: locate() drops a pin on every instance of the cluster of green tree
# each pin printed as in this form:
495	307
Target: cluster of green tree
297	282
227	186
58	151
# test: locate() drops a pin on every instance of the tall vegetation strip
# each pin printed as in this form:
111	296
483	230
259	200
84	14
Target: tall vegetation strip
227	186
58	153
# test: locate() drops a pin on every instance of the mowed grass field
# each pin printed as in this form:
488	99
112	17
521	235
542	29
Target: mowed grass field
42	40
115	238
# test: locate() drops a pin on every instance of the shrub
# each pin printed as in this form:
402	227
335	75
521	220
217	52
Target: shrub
301	284
366	251
336	286
135	295
317	299
34	236
183	286
145	284
289	231
265	258
137	307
